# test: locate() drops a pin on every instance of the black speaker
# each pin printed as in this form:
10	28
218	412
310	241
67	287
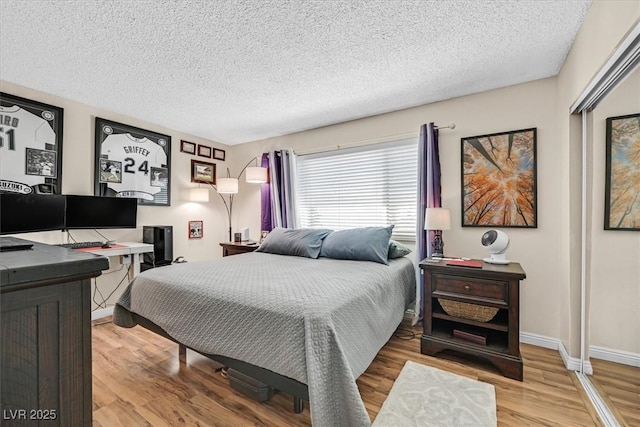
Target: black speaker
161	236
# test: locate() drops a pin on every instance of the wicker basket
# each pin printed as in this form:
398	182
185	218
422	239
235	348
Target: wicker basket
464	310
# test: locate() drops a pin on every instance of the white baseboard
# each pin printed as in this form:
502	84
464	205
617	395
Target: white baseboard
103	312
605	414
616	356
571	363
539	340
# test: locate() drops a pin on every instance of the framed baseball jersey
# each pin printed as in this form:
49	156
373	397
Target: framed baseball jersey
132	162
30	146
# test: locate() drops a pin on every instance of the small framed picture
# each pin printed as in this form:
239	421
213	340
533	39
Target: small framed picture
203	172
218	154
41	162
196	229
187	147
159	177
204	151
110	171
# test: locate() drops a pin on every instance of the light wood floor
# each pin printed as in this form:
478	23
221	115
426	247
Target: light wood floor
138	381
619	386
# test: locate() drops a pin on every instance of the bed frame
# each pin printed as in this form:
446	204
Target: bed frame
298	390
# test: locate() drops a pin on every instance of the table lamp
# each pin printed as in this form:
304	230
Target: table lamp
437	219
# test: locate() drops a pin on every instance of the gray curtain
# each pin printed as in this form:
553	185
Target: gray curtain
428	197
278	195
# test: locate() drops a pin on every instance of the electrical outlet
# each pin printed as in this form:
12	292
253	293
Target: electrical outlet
125	259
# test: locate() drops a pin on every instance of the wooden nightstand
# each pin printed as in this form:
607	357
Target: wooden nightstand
231	248
490	286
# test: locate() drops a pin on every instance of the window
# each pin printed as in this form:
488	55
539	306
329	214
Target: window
373	185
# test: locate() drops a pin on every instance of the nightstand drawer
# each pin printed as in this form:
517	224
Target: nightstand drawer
463	286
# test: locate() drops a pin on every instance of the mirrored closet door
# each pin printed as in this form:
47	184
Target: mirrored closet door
611	314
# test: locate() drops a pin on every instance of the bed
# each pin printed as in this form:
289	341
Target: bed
306	326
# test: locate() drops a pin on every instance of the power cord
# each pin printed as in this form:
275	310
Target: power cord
404	334
103	304
102	235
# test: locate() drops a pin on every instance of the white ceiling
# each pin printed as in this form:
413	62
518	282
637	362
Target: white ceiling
237	71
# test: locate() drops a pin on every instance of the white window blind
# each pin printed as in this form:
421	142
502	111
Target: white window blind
366	186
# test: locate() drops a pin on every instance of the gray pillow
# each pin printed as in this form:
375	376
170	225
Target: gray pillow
360	244
397	250
304	242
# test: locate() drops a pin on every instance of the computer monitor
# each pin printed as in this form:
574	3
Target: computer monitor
100	212
24	213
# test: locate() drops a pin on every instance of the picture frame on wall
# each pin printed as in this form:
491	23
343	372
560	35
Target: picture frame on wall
110	171
622	176
499	180
203	172
187	147
204	151
219	154
196	229
31	143
143	158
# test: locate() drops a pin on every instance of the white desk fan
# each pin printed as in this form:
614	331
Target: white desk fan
496	242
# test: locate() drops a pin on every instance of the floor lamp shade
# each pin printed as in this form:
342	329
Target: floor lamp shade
227	185
256	175
199	195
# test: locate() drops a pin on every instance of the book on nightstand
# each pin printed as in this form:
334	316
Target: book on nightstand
465	263
474	337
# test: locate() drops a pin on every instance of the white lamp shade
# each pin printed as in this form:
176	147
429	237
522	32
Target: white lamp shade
227	185
437	219
199	195
256	175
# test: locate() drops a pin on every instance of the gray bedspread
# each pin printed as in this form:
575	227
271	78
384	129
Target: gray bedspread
319	321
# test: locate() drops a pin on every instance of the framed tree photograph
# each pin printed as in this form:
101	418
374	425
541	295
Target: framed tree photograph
138	161
31	146
196	230
218	154
203	172
204	151
187	147
499	180
622	179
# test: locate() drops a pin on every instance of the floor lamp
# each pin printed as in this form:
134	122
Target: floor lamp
228	185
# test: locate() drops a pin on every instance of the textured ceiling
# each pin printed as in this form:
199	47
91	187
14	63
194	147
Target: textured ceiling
237	71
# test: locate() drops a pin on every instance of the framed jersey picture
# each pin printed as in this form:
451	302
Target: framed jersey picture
30	146
132	162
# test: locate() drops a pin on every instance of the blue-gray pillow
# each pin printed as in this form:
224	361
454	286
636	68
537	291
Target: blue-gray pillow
304	242
397	250
360	244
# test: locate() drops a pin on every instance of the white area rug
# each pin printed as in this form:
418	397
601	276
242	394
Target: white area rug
426	396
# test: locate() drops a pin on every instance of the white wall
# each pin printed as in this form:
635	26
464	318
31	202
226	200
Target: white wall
78	178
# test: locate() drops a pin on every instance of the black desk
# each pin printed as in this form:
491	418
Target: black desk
46	335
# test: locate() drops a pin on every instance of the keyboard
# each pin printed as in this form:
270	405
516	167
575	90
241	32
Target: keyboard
80	245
